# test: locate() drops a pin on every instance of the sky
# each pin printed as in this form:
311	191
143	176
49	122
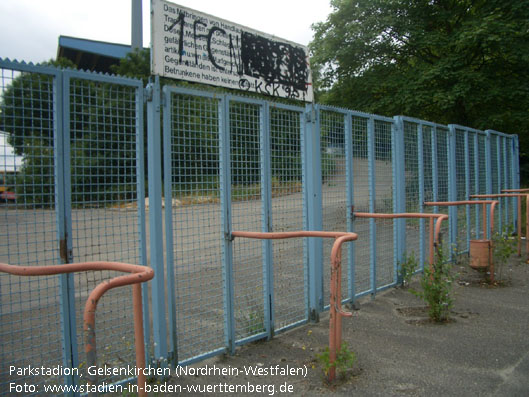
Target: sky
30	29
8	160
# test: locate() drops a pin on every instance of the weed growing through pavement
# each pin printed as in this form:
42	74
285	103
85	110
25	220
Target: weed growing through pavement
503	246
345	359
407	268
436	283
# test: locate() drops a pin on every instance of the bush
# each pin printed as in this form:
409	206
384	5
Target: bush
436	283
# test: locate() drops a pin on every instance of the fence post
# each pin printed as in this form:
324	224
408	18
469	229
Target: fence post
63	208
452	188
420	162
168	212
505	185
314	209
495	141
225	202
399	190
476	180
467	189
516	163
154	155
140	191
435	173
488	166
515	174
266	224
349	178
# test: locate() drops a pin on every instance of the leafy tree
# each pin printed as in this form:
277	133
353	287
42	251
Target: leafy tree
26	115
102	137
448	61
136	64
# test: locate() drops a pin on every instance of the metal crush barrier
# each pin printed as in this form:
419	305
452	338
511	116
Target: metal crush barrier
139	274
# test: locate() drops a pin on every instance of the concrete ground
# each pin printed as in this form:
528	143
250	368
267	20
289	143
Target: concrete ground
482	351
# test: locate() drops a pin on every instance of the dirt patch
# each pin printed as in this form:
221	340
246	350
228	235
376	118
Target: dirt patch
285	366
418	315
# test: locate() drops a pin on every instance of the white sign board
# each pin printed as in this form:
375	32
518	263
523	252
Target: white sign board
193	46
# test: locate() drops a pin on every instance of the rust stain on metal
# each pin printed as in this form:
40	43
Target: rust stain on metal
63	250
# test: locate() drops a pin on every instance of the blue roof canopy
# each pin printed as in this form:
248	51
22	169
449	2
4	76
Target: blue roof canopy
90	54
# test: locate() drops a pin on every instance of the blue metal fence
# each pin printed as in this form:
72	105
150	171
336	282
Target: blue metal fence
217	163
79	189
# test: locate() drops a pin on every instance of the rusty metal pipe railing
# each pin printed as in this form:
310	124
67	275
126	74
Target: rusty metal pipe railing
519	231
515	190
434	235
484	203
336	311
492	204
140	274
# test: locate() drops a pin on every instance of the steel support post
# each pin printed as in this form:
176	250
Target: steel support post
154	154
452	188
399	192
63	208
314	209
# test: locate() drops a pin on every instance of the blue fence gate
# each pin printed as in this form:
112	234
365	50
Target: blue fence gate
73	155
230	163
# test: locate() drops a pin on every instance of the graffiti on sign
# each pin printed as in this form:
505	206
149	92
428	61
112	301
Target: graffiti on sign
196	47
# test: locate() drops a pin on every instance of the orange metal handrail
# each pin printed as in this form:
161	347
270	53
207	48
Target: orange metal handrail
519	196
515	190
336	311
140	274
434	241
492	203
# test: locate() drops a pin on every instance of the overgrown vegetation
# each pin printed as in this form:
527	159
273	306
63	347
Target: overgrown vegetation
503	247
436	287
251	322
345	359
462	62
407	268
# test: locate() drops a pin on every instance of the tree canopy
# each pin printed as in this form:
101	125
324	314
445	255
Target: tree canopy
447	61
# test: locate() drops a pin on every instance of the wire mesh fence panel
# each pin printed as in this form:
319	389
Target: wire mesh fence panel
195	220
104	126
427	155
481	178
30	325
442	164
361	204
512	201
334	191
290	273
443	169
412	183
463	212
505	202
247	210
474	222
495	177
482	164
383	173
